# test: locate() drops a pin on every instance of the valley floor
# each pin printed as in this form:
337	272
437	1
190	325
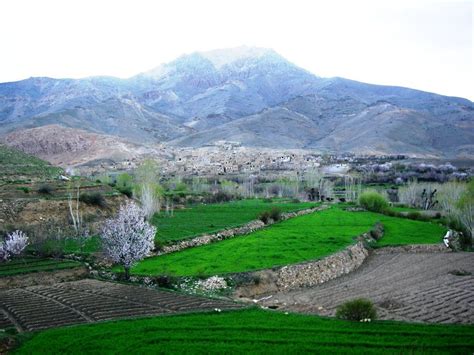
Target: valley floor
424	287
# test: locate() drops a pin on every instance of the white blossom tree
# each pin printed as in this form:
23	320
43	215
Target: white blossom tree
128	238
3	253
13	245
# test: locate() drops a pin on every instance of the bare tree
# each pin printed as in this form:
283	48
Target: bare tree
149	200
147	187
465	207
408	194
449	194
353	188
128	238
81	231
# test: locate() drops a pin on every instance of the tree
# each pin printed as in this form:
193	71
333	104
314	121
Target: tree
128	238
147	187
13	245
466	209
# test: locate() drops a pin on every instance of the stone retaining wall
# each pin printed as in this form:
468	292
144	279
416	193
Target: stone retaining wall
305	274
230	233
317	272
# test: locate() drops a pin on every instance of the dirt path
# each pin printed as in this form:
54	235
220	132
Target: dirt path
85	301
404	286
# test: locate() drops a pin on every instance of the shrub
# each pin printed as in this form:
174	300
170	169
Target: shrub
295	200
418	216
460	272
414	215
46	189
264	217
267	200
377	231
373	201
166	281
222	196
24	189
95	199
392	213
358	310
275	214
126	190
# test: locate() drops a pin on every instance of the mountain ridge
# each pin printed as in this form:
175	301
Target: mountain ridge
246	92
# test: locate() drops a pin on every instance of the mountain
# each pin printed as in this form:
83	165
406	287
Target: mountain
250	95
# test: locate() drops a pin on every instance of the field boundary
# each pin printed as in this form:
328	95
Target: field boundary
224	234
306	274
413	248
312	273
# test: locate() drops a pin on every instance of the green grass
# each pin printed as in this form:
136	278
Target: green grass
28	265
296	240
15	163
91	245
248	332
200	219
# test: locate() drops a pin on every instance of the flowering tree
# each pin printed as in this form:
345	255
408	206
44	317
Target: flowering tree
13	245
3	253
128	238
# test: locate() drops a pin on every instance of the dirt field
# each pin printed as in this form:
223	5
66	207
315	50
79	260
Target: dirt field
40	307
405	286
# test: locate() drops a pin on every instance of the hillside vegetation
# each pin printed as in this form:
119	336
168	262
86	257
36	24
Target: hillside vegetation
15	164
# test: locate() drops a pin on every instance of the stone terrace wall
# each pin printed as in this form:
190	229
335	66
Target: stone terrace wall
230	233
317	272
302	275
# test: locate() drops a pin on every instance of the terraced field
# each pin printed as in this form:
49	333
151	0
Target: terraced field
85	301
199	219
424	287
27	265
292	241
249	332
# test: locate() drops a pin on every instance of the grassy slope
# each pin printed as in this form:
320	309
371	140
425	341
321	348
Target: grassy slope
214	217
14	163
26	265
250	331
304	238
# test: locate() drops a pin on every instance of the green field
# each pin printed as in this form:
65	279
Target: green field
299	239
27	265
251	331
200	219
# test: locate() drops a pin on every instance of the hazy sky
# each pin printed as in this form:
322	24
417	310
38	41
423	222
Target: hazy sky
426	45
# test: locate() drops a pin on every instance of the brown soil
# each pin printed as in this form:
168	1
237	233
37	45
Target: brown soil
43	278
85	301
422	287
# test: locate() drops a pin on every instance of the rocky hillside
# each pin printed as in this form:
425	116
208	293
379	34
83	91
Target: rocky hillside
251	95
64	146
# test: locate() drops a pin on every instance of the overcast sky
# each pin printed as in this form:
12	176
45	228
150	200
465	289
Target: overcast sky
425	45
